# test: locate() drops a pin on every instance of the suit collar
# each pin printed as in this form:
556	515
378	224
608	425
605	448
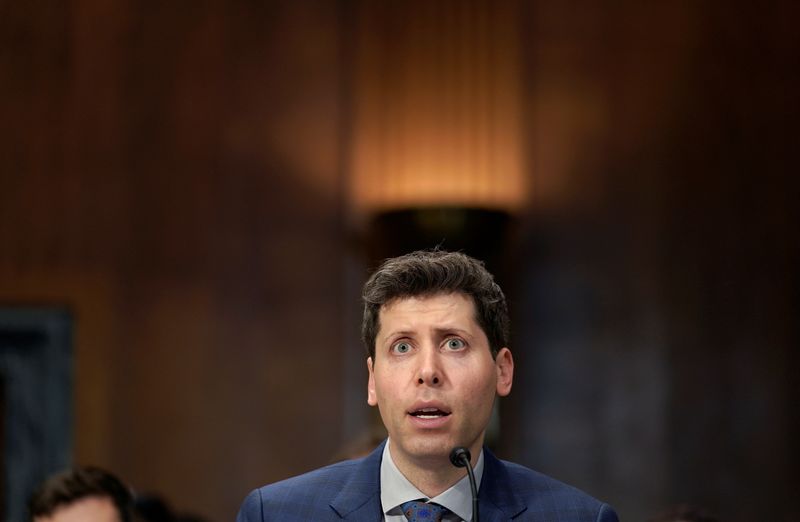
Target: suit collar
360	496
497	498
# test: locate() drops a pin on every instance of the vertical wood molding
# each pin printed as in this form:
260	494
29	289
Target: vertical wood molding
437	105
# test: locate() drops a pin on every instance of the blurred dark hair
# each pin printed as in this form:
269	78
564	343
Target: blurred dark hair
427	272
76	484
152	508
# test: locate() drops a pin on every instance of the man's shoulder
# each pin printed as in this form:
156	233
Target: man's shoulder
544	494
330	477
316	495
531	481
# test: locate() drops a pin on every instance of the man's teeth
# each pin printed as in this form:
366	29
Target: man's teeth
429	413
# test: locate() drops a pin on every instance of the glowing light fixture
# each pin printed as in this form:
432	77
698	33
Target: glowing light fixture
436	106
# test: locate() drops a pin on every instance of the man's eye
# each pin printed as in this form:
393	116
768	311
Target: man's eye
455	344
402	347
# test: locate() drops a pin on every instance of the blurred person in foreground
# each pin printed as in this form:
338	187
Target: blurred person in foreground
152	507
81	495
436	330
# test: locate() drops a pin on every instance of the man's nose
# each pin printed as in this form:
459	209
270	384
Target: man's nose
429	371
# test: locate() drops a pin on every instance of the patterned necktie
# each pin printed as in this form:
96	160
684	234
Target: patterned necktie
416	511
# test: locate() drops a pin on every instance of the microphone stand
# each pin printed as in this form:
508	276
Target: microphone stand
460	458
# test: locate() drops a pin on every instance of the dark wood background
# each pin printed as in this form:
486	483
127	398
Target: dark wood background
173	173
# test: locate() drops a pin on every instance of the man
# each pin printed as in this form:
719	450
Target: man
436	330
81	495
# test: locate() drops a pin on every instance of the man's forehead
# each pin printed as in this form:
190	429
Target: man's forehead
451	308
391	304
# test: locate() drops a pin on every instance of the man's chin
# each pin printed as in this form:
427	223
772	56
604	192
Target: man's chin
430	450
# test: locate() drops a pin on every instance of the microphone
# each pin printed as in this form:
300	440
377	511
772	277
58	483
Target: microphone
460	458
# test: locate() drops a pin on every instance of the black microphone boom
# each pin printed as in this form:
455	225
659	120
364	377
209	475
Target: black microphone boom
460	458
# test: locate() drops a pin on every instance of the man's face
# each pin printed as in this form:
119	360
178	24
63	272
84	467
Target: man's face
433	377
89	509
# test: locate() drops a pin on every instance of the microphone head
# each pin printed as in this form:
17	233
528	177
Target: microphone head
460	457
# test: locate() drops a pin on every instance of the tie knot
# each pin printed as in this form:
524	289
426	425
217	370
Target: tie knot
417	511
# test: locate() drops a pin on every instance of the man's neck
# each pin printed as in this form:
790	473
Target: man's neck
432	476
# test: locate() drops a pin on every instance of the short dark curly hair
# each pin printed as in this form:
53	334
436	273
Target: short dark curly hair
430	272
76	484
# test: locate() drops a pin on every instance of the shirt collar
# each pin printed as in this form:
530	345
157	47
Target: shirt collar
397	489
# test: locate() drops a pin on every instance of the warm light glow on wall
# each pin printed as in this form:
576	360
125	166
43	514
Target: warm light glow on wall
436	106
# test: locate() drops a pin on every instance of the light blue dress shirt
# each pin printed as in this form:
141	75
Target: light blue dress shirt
396	490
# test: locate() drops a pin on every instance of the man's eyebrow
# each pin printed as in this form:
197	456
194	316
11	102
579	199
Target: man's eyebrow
439	331
396	333
444	330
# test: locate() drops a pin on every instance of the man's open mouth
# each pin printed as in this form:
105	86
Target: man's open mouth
429	413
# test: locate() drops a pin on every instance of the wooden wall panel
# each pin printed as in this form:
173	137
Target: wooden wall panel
658	327
170	173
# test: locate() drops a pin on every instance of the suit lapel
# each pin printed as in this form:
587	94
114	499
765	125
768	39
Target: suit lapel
497	499
360	496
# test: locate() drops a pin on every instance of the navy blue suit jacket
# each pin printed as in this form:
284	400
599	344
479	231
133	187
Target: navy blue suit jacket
351	490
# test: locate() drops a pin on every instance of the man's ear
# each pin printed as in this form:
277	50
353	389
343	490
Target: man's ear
372	398
505	371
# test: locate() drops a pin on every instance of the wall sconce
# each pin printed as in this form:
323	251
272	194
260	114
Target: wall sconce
436	135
